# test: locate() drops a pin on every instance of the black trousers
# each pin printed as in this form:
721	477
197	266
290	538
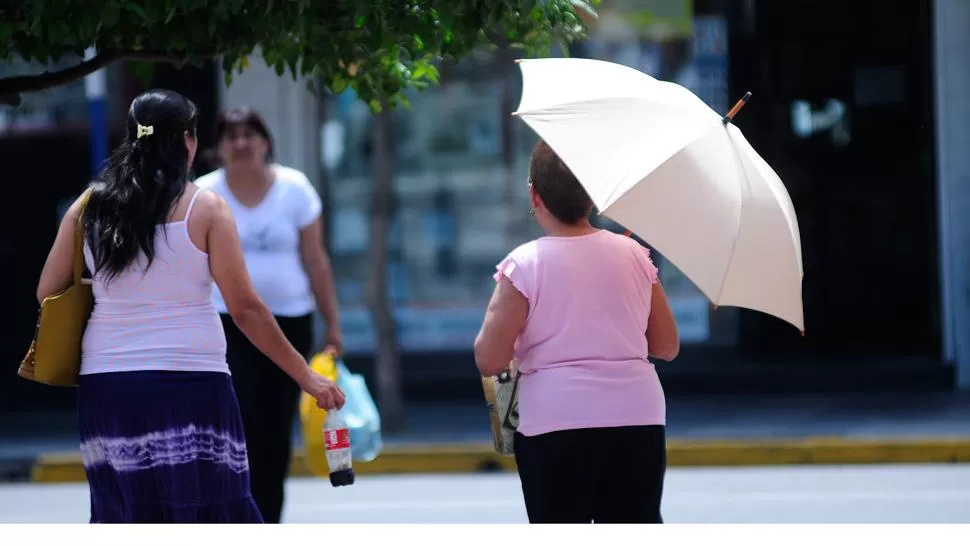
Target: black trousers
268	400
601	475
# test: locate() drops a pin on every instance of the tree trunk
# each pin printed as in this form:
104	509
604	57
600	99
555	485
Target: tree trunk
387	360
507	142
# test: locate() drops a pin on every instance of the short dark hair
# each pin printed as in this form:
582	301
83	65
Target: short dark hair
558	187
247	117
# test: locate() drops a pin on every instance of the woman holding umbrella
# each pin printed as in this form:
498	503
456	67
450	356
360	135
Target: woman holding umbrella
580	310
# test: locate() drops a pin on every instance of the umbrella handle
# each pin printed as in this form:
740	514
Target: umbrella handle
737	108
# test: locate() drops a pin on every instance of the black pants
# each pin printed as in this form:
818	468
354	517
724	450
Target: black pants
602	475
268	400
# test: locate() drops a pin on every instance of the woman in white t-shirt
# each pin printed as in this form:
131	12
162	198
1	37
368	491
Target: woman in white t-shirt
278	215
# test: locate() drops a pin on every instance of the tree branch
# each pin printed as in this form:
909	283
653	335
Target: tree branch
11	88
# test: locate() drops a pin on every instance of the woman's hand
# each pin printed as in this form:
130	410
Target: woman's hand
326	392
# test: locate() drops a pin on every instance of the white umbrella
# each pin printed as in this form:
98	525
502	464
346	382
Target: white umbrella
656	159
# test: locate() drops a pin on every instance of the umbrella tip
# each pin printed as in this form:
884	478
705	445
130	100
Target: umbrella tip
737	108
514	114
519	61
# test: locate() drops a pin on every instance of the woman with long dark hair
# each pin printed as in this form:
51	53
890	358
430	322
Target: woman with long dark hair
161	433
278	215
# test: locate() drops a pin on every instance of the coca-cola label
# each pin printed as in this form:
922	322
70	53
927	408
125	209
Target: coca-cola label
337	439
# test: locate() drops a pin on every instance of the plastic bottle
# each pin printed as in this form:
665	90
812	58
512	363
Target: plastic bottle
336	438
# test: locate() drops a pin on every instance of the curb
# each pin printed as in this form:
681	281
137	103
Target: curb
480	457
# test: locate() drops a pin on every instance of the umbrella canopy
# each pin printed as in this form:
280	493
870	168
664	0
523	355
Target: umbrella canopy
656	159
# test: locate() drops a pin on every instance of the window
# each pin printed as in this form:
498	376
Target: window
457	210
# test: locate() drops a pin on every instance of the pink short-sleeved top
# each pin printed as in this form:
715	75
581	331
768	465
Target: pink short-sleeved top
583	350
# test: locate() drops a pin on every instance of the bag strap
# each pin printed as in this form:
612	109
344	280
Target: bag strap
79	238
512	411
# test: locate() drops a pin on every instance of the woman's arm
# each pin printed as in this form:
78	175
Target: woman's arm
318	269
504	319
250	313
663	341
58	272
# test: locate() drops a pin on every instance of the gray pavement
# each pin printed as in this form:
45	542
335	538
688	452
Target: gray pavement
817	494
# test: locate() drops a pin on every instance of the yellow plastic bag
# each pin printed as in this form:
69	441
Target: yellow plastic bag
311	418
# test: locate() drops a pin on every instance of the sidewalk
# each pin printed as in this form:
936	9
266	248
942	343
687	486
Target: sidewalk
709	430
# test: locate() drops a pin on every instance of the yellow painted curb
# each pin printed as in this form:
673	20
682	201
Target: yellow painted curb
466	458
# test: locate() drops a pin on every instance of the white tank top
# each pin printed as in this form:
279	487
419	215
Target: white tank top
161	318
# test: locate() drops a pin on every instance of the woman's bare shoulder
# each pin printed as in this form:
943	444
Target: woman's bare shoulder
209	207
208	200
524	253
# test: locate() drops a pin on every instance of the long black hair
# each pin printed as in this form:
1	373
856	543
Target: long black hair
142	182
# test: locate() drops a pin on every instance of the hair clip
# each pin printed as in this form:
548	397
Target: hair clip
145	130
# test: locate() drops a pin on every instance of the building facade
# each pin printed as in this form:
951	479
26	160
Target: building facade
863	111
865	127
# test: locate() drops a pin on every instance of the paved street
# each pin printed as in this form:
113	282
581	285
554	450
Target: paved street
851	494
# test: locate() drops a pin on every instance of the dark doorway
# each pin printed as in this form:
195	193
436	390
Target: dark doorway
842	109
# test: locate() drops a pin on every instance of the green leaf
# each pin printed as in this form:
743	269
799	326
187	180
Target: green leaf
339	84
382	49
421	72
143	72
139	11
112	12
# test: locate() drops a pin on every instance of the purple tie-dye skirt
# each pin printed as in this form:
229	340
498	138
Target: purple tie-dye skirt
164	447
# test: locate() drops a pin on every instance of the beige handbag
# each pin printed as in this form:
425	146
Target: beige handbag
501	397
54	355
